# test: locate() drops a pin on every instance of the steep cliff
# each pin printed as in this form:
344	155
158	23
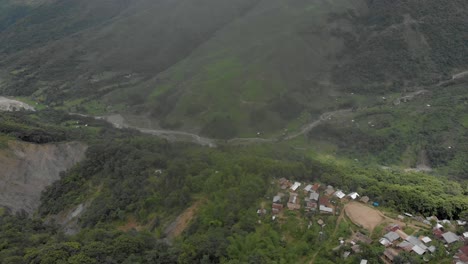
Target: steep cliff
26	169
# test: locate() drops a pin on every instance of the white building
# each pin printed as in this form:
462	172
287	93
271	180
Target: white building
340	194
295	186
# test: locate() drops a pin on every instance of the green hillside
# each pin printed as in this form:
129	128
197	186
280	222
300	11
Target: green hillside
360	96
250	66
427	131
133	187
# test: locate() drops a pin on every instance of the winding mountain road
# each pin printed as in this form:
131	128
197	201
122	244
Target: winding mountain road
324	117
118	121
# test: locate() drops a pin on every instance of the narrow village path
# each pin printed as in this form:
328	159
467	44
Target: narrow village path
337	225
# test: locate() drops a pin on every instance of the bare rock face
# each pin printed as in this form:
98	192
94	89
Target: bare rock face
13	105
27	169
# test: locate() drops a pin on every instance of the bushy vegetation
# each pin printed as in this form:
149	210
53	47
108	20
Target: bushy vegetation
243	68
49	126
127	177
403	43
252	66
428	130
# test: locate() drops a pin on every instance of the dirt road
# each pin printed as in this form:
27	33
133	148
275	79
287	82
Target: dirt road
118	121
172	135
325	116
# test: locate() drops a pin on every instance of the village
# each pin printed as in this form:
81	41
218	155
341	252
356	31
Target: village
404	233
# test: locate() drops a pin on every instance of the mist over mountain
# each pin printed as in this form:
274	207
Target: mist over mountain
255	65
233	131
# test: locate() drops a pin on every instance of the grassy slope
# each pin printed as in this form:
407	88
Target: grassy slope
261	71
428	130
253	66
119	183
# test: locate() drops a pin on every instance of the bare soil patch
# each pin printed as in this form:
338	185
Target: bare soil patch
363	215
131	224
176	228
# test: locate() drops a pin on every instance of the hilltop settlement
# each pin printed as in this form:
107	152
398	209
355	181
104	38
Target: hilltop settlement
399	236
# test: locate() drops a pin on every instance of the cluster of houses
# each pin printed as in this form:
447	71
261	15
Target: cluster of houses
316	198
322	199
396	241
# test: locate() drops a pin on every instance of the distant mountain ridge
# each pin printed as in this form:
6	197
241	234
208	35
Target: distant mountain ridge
226	68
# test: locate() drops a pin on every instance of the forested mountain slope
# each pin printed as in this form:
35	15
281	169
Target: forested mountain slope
226	68
123	198
379	84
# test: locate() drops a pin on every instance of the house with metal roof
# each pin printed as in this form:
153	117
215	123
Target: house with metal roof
353	195
293	203
419	250
295	186
276	208
326	209
365	199
308	188
340	194
329	191
450	237
415	241
384	242
391	236
465	235
406	246
277	199
426	239
314	196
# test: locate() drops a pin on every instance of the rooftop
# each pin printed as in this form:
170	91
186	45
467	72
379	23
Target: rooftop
450	237
326	209
391	236
365	199
295	186
353	195
384	242
329	191
418	250
314	196
406	245
276	199
413	240
339	194
426	239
